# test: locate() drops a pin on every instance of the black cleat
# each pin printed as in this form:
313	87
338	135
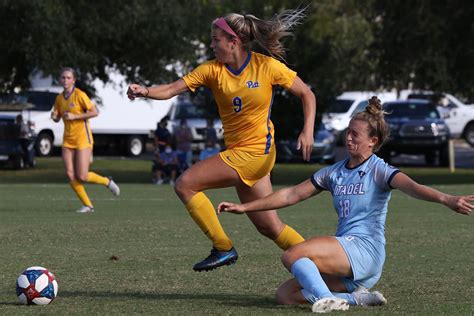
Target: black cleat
217	259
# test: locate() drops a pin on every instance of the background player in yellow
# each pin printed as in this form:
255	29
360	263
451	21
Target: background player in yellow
243	84
75	108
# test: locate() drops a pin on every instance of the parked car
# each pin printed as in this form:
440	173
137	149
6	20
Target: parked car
323	149
346	105
457	115
11	149
416	127
196	118
38	112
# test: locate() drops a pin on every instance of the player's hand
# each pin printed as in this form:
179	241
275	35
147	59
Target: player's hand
68	116
55	116
136	91
230	207
461	204
305	144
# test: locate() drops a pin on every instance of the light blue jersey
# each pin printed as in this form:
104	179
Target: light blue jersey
360	195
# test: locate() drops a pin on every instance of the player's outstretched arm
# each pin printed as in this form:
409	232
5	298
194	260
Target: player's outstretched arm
161	92
279	199
460	204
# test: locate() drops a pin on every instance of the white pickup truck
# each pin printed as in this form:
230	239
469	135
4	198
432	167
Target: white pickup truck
458	116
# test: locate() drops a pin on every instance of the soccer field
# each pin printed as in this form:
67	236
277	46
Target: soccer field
135	253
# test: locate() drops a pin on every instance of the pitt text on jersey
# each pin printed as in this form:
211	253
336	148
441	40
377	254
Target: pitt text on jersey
251	84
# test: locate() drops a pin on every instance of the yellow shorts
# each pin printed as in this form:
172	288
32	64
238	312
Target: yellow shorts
250	166
78	143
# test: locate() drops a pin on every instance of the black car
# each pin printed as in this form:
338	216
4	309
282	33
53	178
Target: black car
416	127
13	150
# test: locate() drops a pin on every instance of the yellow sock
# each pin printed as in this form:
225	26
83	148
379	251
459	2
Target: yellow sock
78	187
93	177
288	237
202	211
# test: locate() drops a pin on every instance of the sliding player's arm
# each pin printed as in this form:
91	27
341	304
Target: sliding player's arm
460	204
279	199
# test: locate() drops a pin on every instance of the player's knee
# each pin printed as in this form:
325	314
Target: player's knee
182	187
179	186
82	177
288	258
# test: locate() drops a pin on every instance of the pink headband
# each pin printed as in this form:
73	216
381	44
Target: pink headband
222	24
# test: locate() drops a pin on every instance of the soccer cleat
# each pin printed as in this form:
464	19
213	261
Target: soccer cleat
364	297
217	259
85	209
113	187
328	304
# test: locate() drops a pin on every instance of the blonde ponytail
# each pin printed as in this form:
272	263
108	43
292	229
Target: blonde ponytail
266	33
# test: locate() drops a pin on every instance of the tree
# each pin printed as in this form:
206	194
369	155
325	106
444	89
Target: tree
427	44
341	44
141	39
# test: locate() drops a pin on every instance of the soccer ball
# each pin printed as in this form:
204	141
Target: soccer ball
36	285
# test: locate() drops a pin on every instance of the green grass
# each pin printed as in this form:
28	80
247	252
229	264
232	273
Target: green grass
428	269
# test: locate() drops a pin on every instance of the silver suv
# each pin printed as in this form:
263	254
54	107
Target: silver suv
196	117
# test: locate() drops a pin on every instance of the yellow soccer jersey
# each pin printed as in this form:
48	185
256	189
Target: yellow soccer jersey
77	133
244	98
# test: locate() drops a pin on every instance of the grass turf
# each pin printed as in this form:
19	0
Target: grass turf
135	253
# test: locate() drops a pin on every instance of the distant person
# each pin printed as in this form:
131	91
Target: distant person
75	108
23	129
442	105
165	164
210	134
184	138
243	83
162	134
23	134
209	150
333	272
